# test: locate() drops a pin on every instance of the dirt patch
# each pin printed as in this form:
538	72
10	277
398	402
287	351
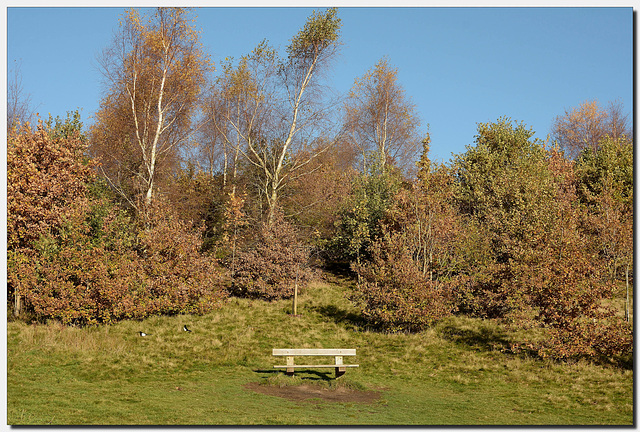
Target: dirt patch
310	393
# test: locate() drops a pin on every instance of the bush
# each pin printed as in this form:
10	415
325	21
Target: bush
98	269
360	215
271	268
84	273
76	256
179	278
394	293
44	174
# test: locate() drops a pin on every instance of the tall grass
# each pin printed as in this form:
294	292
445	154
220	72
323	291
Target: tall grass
457	373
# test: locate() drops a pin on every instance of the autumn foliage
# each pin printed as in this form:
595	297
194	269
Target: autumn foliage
44	175
156	69
585	126
75	256
540	263
273	264
132	220
394	293
502	234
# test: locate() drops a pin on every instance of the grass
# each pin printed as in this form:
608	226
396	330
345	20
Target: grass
453	374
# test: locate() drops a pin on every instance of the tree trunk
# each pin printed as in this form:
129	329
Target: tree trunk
273	199
225	167
295	295
149	194
235	171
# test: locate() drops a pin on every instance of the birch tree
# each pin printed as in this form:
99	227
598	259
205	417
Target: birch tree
19	108
381	118
155	70
237	108
274	107
584	126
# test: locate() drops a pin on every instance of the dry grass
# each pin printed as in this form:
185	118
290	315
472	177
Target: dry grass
110	375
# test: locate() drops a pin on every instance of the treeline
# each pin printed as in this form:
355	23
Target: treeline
193	185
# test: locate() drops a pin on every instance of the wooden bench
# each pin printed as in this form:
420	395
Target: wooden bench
339	366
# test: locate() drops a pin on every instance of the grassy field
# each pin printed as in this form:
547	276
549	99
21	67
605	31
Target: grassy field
453	374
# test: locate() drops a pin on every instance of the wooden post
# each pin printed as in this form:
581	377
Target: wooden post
18	304
295	295
626	306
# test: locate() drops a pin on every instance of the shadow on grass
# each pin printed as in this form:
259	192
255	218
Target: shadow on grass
341	316
341	270
302	374
490	339
624	361
485	339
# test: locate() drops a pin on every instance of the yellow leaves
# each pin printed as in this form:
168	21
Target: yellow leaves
158	68
381	118
586	125
320	31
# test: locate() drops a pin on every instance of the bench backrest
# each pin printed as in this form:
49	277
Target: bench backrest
313	352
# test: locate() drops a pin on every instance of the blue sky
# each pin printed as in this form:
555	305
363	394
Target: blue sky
460	66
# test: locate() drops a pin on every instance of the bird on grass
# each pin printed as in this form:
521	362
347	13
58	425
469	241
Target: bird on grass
143	334
184	328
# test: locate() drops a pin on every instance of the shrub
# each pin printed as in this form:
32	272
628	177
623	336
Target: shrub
76	256
98	269
179	278
394	293
362	211
83	273
271	268
568	289
44	174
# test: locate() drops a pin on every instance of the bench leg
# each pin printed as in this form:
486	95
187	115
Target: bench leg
339	370
290	363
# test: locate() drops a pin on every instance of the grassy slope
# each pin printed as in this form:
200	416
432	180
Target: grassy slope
452	374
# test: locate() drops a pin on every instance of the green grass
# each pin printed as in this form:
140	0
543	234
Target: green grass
453	374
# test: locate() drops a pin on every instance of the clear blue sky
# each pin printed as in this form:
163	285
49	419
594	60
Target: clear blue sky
460	66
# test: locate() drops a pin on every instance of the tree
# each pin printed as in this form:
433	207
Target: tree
313	201
381	119
45	173
407	284
75	256
566	282
504	186
19	110
394	293
155	69
539	267
237	108
66	128
274	107
431	218
361	213
586	125
605	187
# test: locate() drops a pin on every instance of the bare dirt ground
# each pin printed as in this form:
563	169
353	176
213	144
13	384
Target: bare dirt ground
309	393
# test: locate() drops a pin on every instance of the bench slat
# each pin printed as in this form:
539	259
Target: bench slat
313	352
315	366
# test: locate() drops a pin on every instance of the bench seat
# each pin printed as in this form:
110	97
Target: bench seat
314	366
